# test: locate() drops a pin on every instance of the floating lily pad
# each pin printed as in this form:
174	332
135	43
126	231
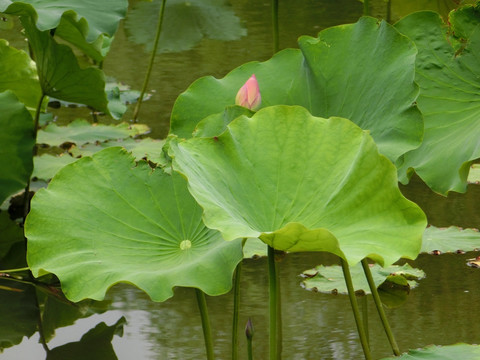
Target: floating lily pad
301	183
254	248
106	219
81	132
474	174
451	239
330	279
150	149
448	76
19	75
146	148
46	165
17	140
95	344
185	24
346	71
437	352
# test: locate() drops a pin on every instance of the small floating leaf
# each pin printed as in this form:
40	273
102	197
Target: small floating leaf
330	279
46	165
81	132
443	240
438	352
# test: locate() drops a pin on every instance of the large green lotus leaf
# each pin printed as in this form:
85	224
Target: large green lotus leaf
449	100
19	75
185	24
346	71
17	140
102	16
60	75
438	352
11	234
301	183
450	239
330	279
105	219
80	132
96	344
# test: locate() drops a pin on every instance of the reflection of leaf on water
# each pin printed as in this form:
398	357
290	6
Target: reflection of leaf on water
456	351
95	344
401	8
184	25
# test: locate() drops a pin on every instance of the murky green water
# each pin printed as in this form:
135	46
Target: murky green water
444	309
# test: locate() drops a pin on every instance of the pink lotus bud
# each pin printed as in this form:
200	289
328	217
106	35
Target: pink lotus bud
249	94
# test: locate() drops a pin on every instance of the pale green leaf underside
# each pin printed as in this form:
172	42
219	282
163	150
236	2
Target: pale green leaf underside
104	220
328	279
449	100
438	352
81	132
346	71
450	239
301	183
16	145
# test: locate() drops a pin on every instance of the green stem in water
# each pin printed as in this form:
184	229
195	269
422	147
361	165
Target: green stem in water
207	332
356	311
249	333
272	280
152	60
389	11
236	305
379	305
275	26
26	197
41	333
365	316
366	7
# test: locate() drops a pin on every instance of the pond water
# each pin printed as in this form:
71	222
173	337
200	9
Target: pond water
444	309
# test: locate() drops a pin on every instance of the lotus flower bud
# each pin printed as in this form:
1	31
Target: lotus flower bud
249	94
249	329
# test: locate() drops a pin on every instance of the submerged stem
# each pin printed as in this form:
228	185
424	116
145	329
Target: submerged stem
366	7
152	60
236	305
381	311
207	332
356	311
272	280
365	317
275	26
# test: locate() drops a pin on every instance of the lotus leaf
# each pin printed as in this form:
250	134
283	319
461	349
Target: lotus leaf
81	132
105	219
19	75
346	71
184	26
328	279
448	76
450	239
17	141
102	16
301	183
437	352
60	75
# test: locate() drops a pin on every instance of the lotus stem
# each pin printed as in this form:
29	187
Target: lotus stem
207	332
356	311
365	316
366	7
272	280
14	270
26	197
236	306
381	311
152	60
389	11
41	333
249	334
276	46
